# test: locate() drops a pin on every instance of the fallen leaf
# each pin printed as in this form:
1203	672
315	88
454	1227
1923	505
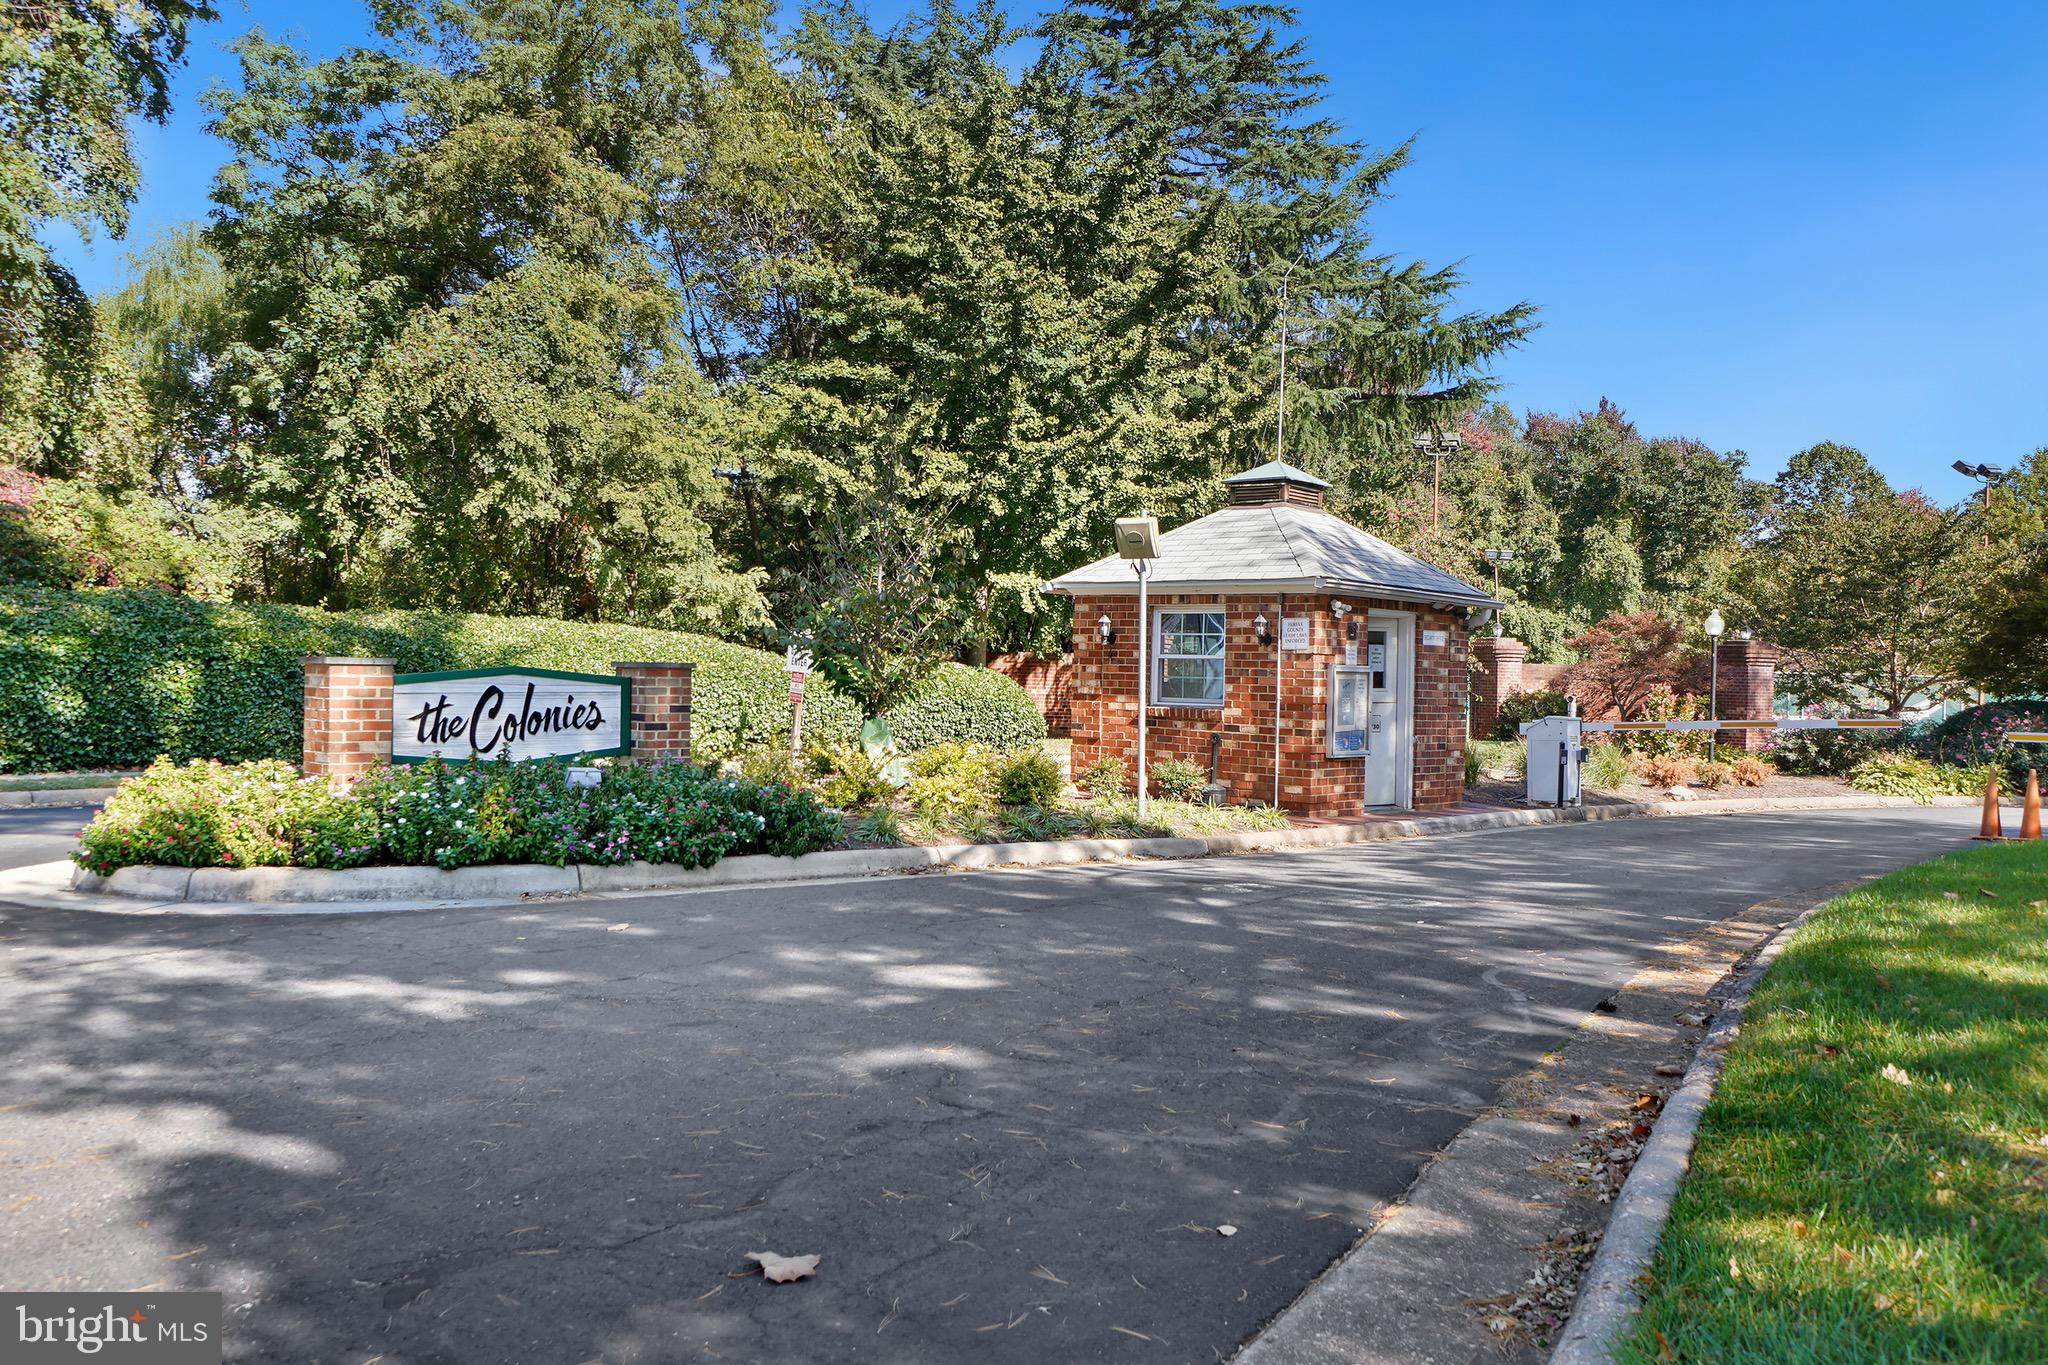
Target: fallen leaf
185	1255
1799	1228
1827	1050
1882	983
1734	1270
1987	891
1881	1302
1694	1020
1895	1075
783	1269
1843	1256
1227	1230
615	928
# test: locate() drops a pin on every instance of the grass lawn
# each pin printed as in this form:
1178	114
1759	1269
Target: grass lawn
1871	1179
62	782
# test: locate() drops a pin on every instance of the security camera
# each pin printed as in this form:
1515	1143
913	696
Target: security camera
1340	610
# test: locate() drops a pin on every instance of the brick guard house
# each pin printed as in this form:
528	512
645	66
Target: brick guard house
1346	616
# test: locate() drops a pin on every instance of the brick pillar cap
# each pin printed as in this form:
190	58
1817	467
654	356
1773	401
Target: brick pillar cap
658	663
345	659
1736	646
1500	644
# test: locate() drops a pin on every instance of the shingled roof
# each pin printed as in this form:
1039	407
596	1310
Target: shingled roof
1281	546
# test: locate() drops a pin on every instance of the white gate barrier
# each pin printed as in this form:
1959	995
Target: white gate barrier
1556	748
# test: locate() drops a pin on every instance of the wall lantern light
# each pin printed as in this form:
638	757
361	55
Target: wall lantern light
1259	630
1106	628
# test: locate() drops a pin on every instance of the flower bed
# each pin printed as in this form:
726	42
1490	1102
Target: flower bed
263	814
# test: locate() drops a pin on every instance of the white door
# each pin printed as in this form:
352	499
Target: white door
1386	764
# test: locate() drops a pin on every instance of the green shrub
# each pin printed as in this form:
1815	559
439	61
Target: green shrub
446	815
1176	779
951	778
1106	779
1034	824
1822	753
1495	755
1606	767
1976	735
1893	774
977	705
1523	707
115	677
1029	777
850	779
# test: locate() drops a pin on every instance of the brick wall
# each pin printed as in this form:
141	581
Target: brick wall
1497	667
1311	783
1748	689
348	716
661	709
1049	682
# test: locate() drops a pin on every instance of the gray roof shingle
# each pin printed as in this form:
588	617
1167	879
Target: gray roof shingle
1282	546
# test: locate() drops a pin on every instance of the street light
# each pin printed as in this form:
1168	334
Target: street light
1986	474
1497	558
1137	541
1437	444
1714	626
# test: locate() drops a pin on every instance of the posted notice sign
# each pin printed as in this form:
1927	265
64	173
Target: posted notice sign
523	713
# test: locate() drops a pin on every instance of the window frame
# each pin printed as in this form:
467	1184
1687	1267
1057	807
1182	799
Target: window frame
1157	689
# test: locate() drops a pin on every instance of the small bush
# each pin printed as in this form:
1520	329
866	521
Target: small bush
1822	753
1976	735
950	779
1753	772
1176	779
1498	756
850	779
975	705
1665	770
1030	824
1961	779
1106	779
1606	767
1890	774
1714	776
1029	777
1523	707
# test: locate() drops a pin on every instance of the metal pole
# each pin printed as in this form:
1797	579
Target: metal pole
1436	482
1713	695
1280	422
1144	679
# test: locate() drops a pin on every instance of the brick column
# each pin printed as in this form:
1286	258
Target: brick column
1499	676
661	709
1749	670
348	716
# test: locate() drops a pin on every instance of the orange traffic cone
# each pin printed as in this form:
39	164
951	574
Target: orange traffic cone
1990	828
2030	814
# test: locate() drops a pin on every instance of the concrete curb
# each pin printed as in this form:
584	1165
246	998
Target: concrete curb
1608	1295
368	885
61	796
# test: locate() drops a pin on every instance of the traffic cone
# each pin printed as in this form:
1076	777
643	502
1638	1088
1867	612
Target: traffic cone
2030	814
1990	828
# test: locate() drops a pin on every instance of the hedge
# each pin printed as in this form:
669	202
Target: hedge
115	677
978	705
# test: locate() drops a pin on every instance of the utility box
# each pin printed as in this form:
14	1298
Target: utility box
1555	748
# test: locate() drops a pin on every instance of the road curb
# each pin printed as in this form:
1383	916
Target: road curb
359	887
1608	1295
57	796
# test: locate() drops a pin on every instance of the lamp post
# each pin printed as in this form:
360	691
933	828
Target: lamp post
1436	445
1137	540
1497	558
1986	474
1714	626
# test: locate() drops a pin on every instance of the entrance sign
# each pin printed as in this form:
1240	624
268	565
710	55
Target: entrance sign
1350	688
797	660
523	713
1294	632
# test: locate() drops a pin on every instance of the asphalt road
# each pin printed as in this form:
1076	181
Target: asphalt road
39	834
1009	1110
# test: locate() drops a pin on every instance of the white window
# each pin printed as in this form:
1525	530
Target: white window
1188	649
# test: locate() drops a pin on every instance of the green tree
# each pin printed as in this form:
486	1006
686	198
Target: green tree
1866	590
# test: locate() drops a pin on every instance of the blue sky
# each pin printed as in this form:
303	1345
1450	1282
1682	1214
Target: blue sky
1758	225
